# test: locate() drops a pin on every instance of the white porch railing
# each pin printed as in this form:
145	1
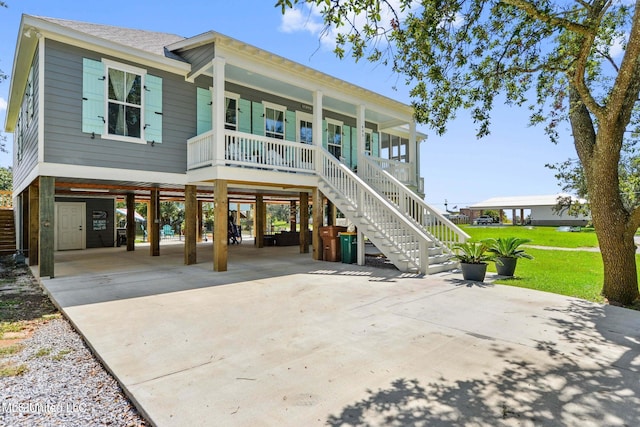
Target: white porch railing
243	149
400	170
432	222
401	237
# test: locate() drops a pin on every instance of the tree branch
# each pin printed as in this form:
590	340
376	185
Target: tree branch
532	11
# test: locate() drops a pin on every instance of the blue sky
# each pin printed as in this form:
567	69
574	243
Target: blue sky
456	167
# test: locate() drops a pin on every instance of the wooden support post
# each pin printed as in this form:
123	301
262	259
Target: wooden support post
220	224
318	215
292	215
261	217
34	223
521	216
199	223
47	225
153	222
190	220
304	223
131	222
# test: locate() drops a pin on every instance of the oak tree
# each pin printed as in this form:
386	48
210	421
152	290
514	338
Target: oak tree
567	61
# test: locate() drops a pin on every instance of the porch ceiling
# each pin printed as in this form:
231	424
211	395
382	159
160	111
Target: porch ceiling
241	192
259	81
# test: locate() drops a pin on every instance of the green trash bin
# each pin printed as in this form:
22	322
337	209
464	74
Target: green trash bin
348	248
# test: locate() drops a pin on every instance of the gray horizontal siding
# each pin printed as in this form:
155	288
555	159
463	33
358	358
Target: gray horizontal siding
199	56
66	143
29	160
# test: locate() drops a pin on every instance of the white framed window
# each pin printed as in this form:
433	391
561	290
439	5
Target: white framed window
274	120
304	127
125	100
368	140
334	137
231	101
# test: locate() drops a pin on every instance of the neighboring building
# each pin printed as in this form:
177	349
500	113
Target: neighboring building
534	210
101	112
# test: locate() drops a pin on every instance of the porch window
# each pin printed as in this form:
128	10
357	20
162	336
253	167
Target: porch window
368	138
334	138
274	121
124	103
231	111
304	127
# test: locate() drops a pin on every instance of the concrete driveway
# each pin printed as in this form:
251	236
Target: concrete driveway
281	340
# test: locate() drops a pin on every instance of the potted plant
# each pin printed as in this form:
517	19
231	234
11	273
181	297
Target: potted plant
507	251
473	257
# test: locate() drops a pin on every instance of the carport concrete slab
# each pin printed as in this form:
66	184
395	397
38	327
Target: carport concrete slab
282	340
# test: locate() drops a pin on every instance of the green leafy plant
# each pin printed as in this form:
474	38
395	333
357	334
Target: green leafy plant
507	247
472	253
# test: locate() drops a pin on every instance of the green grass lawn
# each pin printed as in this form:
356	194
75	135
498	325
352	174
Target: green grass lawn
572	273
542	236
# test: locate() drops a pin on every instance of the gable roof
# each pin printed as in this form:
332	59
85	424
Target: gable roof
148	41
523	202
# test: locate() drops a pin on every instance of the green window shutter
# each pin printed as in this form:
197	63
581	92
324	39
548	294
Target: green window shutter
375	145
153	109
290	126
244	116
203	110
346	145
325	134
93	108
257	118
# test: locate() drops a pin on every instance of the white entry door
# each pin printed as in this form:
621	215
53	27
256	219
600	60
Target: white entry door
70	220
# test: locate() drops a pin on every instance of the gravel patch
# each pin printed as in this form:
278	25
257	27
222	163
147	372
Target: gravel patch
63	384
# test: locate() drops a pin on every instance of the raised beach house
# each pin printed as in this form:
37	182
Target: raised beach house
101	113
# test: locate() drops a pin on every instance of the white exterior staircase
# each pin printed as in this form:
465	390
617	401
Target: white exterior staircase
398	233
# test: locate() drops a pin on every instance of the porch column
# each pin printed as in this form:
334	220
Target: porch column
47	225
190	227
199	222
360	136
153	222
218	110
34	223
131	222
317	125
360	247
413	149
318	215
260	219
513	217
292	215
521	216
220	209
304	223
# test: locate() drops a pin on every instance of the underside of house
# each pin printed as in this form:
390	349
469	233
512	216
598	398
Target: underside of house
101	114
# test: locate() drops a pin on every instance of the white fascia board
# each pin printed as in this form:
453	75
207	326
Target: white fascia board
25	48
60	170
271	179
193	42
96	44
279	68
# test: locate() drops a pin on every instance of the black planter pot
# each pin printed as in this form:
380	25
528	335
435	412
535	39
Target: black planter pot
508	266
475	272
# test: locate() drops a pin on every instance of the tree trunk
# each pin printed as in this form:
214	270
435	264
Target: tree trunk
600	156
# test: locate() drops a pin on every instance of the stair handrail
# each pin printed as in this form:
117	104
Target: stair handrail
357	191
413	206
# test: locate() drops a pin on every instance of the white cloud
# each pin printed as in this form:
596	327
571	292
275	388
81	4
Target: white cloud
3	104
617	48
301	19
308	18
